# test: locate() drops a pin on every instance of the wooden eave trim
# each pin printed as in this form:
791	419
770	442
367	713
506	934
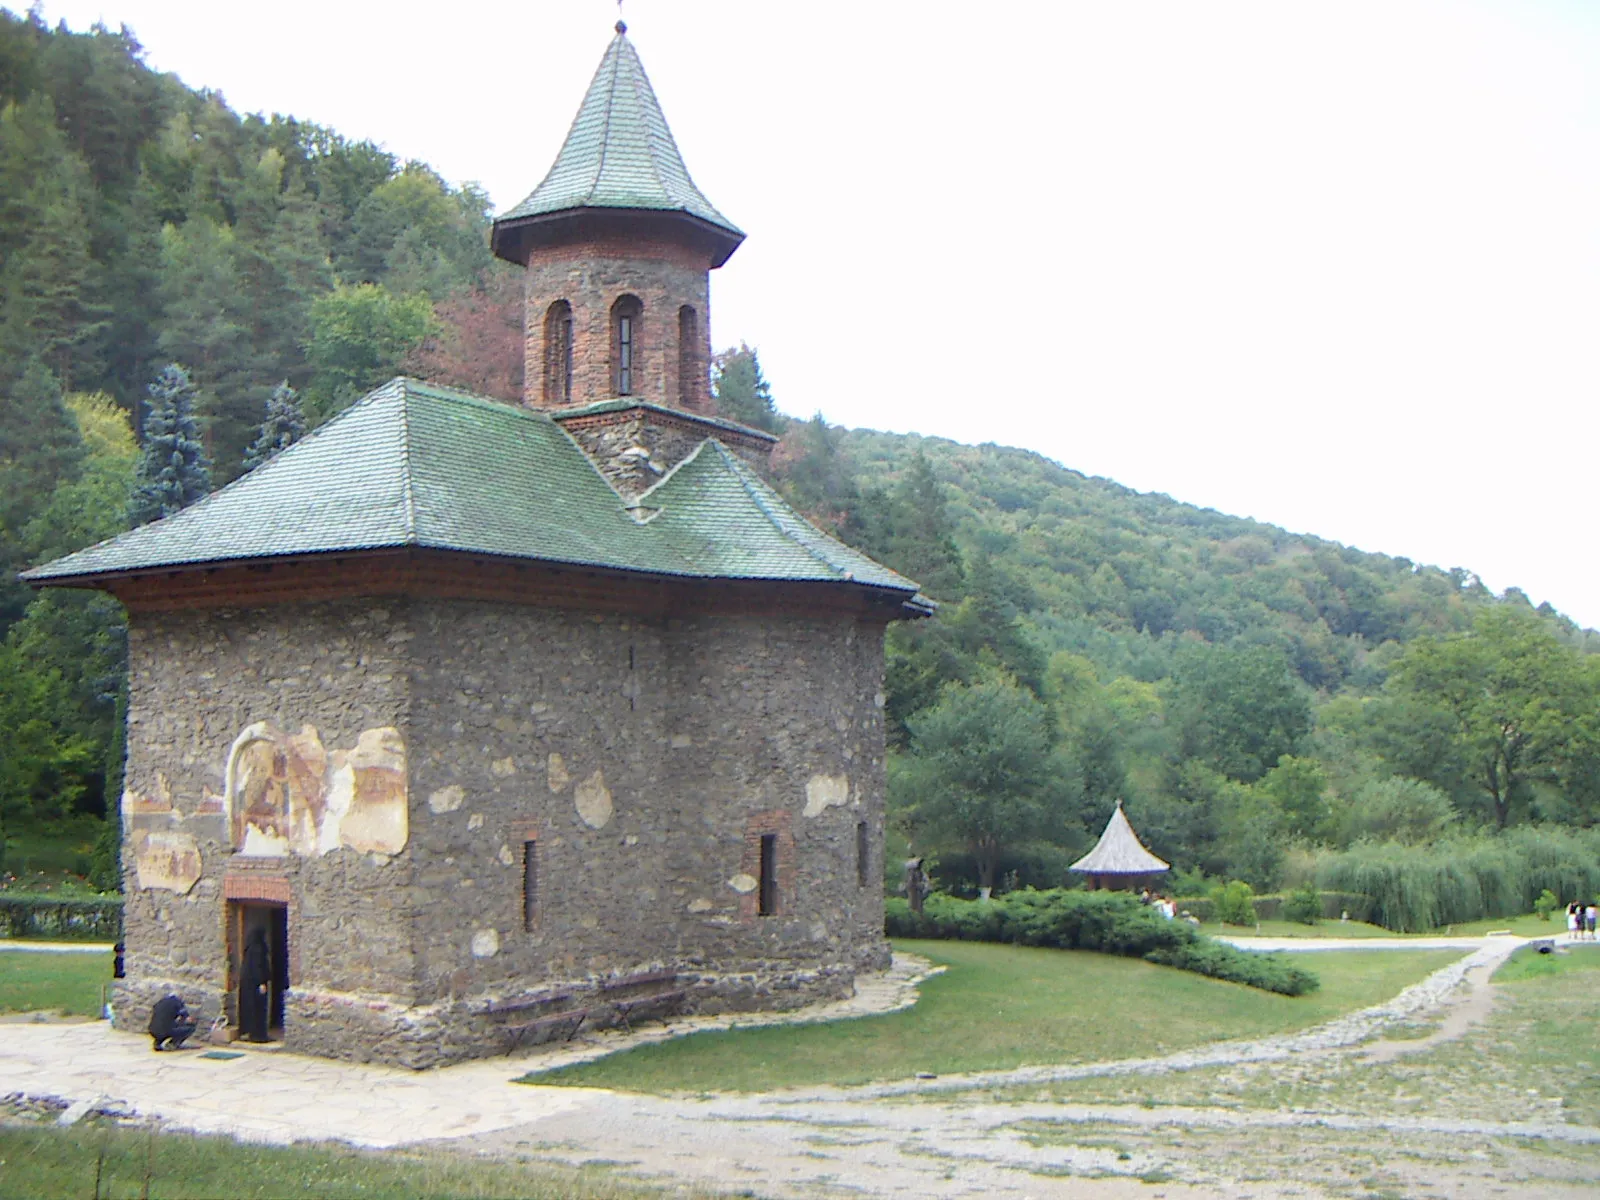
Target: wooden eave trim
509	239
437	574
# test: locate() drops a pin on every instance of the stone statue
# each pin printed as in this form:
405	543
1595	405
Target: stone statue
916	883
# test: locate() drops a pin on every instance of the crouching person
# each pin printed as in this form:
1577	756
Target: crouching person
170	1023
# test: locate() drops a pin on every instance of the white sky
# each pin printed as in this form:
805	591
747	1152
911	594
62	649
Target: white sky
1328	263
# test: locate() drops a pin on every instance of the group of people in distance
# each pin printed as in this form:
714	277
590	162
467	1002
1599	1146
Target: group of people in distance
1581	920
1165	905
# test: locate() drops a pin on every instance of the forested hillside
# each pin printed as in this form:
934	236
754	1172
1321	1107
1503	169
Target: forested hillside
183	290
142	224
1259	699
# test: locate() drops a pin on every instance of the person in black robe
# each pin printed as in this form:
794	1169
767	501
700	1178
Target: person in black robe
255	987
170	1023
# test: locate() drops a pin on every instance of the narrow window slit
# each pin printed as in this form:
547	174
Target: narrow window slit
767	899
862	853
530	885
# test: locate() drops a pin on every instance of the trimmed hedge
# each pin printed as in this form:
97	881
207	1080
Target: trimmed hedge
1270	907
67	919
1110	922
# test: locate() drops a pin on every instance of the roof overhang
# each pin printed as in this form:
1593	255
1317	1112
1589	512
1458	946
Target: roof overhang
425	572
514	239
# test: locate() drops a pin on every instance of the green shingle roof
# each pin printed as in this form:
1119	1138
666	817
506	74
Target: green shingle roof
619	152
417	465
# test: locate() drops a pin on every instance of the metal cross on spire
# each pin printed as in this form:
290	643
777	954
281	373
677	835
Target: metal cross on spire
622	26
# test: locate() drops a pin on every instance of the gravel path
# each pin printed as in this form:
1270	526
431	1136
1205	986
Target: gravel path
1344	1031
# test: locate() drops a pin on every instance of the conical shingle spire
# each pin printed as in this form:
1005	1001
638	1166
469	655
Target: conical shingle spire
1119	851
619	155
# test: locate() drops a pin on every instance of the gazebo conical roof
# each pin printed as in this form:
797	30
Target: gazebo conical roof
1119	851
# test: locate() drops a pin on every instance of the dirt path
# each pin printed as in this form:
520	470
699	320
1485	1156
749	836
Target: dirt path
1461	1014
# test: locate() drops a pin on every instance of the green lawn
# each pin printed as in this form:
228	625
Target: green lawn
47	1163
1524	926
1532	1060
999	1007
35	981
1529	925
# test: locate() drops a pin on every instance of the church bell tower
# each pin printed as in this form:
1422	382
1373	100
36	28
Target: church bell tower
619	244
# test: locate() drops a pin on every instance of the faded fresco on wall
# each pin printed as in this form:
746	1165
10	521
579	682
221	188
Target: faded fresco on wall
288	794
166	860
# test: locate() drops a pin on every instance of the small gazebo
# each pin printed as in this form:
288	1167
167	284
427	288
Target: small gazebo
1119	860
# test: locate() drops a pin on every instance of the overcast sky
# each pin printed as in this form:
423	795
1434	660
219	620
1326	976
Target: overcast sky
1330	264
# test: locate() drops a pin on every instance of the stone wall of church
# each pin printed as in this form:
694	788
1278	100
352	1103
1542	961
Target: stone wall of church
387	770
591	277
280	732
639	762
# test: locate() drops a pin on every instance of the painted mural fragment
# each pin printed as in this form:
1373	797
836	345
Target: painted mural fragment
288	794
167	860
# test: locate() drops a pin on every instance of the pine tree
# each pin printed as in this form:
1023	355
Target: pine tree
742	392
285	425
207	326
39	449
173	469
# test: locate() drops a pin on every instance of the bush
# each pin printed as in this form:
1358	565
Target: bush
1108	922
1030	864
1546	904
82	918
1231	903
1272	907
1397	810
1303	905
105	863
1414	888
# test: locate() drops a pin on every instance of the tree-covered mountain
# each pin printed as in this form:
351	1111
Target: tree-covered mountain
1246	691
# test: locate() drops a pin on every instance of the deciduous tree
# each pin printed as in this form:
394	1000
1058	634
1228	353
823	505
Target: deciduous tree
979	773
1522	703
359	337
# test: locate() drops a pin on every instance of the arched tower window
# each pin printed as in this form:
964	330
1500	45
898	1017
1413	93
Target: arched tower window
558	353
626	320
689	369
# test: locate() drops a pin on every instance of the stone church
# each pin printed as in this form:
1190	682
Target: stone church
507	721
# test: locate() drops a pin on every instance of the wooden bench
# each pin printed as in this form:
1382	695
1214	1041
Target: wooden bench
644	990
643	979
626	1008
564	1025
523	1005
